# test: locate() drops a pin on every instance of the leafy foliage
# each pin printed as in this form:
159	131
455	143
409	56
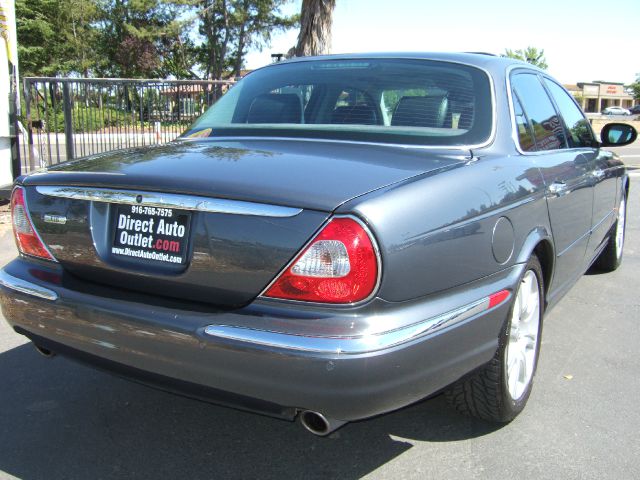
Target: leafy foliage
133	35
230	27
54	36
144	38
635	88
530	55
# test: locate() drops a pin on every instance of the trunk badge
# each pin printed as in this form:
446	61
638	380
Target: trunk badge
59	219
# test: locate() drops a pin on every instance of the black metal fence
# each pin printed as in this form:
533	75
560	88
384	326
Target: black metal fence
65	118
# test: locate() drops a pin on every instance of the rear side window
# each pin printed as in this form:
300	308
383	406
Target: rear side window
580	134
547	128
525	136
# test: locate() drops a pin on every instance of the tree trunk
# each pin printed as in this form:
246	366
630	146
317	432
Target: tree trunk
237	68
244	8
315	28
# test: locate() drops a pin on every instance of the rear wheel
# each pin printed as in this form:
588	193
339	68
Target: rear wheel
499	391
611	257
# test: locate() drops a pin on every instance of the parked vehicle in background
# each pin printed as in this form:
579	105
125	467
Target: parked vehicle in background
616	111
336	238
635	110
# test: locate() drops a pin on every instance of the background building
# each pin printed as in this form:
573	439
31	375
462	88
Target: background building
595	96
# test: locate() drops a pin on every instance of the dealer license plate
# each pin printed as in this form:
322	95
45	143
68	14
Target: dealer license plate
151	233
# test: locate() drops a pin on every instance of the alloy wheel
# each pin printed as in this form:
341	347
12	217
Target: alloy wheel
620	227
523	336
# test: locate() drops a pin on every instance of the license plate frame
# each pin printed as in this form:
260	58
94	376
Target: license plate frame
151	234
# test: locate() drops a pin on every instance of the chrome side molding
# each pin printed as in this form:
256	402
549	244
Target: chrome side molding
19	285
169	200
348	345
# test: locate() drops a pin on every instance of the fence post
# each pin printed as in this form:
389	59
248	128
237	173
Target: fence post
26	86
68	121
14	132
141	96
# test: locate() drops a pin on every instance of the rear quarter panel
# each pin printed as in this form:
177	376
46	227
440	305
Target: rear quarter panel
439	231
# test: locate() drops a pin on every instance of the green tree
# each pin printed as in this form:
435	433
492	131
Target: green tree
230	27
144	38
216	29
55	37
635	88
135	35
255	22
35	26
530	55
80	36
180	58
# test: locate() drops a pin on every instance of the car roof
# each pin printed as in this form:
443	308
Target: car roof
486	61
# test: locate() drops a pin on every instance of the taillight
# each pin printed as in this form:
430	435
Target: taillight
27	239
340	265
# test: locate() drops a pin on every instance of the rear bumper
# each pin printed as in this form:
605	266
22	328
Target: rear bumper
345	363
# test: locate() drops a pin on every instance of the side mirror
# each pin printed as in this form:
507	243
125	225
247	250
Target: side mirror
617	135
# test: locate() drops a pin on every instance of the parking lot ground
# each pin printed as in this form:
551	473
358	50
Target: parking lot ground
630	154
61	420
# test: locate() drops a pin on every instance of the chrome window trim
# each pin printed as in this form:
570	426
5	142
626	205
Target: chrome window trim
23	286
514	127
348	345
169	200
376	249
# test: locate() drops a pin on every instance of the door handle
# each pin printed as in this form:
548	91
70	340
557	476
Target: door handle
558	189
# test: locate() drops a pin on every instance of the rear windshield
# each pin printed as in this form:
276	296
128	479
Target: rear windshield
373	100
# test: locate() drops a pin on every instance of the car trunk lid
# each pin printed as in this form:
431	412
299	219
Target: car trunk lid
205	221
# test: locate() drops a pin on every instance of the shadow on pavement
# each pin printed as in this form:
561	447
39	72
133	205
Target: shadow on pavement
59	419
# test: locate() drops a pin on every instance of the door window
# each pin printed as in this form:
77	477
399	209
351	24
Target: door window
546	125
580	134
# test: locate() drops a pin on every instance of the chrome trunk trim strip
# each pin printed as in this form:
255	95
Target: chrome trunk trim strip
169	200
19	285
348	345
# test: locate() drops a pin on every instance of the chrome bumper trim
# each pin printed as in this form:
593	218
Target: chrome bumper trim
169	200
13	283
348	345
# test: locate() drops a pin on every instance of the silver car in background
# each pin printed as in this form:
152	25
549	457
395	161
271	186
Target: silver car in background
616	111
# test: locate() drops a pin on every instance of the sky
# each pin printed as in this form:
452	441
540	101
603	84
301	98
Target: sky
582	40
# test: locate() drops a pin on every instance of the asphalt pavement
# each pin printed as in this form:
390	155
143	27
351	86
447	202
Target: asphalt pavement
630	154
61	420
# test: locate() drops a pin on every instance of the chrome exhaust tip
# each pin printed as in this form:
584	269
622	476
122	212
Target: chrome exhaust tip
318	424
44	351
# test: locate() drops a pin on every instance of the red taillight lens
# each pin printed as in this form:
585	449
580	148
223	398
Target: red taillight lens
339	266
27	239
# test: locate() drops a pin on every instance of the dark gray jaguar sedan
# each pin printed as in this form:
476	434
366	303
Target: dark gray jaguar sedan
336	238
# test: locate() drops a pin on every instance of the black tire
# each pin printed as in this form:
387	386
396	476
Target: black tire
611	257
485	393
